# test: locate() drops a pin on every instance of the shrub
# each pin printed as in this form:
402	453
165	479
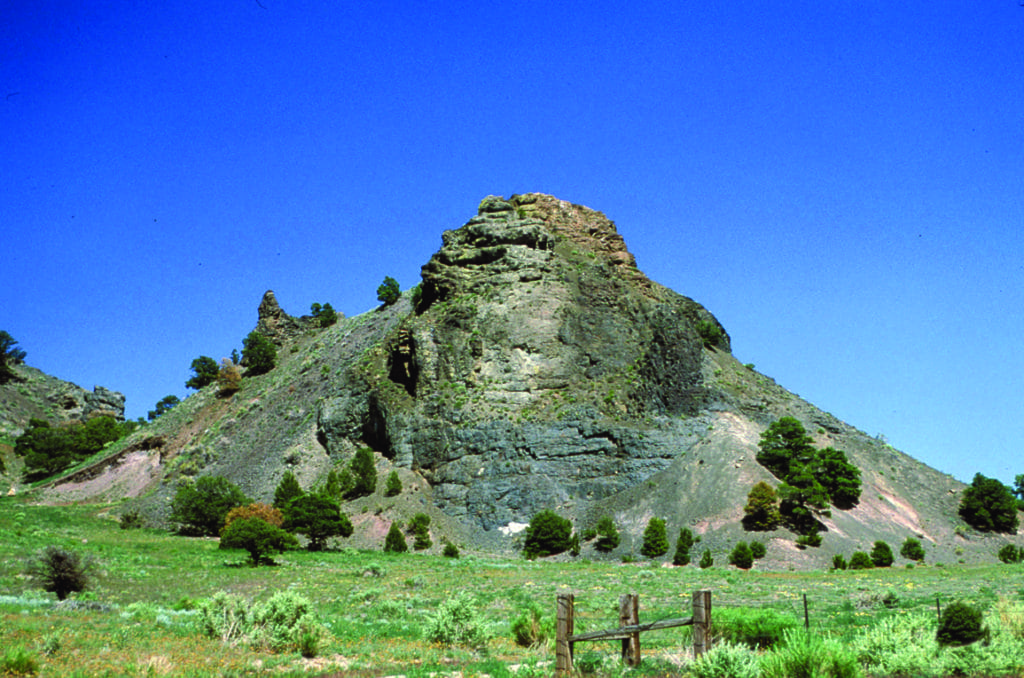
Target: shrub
256	536
268	514
989	506
286	621
758	550
457	622
757	628
960	624
200	507
683	545
286	490
318	517
388	292
364	473
393	485
727	660
607	534
259	354
812	539
899	646
1011	554
48	450
132	520
10	355
450	550
861	561
806	655
547	534
325	314
225	617
204	372
706	560
394	542
655	542
912	550
531	628
229	377
839	562
710	332
881	554
60	571
762	510
741	556
419	527
17	661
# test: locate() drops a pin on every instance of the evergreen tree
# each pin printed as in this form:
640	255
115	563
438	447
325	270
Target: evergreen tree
255	535
912	550
393	485
318	517
165	405
741	556
706	560
287	490
201	507
419	527
395	540
881	554
608	535
989	506
364	473
10	355
683	545
655	542
259	355
388	292
204	372
762	509
547	534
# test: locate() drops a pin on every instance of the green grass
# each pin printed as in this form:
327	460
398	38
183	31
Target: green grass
146	579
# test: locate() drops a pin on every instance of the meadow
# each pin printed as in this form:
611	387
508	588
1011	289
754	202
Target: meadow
139	617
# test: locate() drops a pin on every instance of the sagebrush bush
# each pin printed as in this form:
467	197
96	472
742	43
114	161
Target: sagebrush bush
225	617
457	622
899	646
808	655
531	628
285	621
727	660
757	628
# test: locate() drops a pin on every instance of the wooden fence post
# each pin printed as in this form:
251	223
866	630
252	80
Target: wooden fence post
564	629
629	615
701	622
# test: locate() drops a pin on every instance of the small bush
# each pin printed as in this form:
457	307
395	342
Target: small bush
881	554
912	550
450	551
286	621
225	617
727	660
960	624
394	542
393	485
257	537
608	535
861	561
547	534
229	377
839	562
757	628
806	655
706	560
812	539
741	556
457	622
655	542
758	550
419	527
259	354
132	520
61	572
683	545
17	661
1010	554
531	629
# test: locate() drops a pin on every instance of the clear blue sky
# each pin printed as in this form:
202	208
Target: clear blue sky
841	183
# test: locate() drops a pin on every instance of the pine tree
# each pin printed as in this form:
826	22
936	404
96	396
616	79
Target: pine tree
655	539
287	490
683	545
364	472
395	541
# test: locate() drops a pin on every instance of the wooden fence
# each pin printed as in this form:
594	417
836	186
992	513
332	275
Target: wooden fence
629	629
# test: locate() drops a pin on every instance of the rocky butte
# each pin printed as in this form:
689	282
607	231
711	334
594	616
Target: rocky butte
534	367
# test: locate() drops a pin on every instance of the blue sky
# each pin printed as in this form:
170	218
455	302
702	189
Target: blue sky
840	183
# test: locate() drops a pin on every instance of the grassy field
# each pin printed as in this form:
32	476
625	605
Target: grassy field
138	618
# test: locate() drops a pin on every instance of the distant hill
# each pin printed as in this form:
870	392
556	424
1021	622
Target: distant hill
534	367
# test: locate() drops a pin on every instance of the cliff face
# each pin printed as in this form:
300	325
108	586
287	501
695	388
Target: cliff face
534	367
541	367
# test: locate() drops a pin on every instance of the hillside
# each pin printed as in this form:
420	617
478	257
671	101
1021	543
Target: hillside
534	367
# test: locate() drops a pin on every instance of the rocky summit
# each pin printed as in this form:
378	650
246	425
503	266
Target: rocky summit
535	367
